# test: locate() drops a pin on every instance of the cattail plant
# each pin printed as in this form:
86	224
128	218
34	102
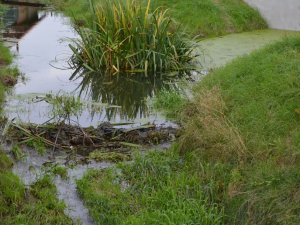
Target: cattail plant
124	35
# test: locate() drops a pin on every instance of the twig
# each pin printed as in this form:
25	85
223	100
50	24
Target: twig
85	135
57	137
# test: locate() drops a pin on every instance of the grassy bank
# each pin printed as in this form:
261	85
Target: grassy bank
245	117
210	18
207	18
240	151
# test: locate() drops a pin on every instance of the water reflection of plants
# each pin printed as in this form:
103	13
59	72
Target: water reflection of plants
128	91
124	34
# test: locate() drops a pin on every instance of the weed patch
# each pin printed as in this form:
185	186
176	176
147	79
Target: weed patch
61	171
169	101
154	189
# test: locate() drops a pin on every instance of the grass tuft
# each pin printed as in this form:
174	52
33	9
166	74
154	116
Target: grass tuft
124	34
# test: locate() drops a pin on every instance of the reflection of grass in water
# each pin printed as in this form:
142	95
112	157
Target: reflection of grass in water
169	101
6	71
127	91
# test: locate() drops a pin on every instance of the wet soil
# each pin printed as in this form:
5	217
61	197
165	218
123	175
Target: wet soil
2	62
8	81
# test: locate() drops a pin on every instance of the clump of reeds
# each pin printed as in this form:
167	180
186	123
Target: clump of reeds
124	34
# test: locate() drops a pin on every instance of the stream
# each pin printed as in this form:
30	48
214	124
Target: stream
39	39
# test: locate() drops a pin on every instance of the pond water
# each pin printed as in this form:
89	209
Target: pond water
39	38
221	50
280	14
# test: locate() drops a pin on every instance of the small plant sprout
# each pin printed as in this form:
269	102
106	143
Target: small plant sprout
63	105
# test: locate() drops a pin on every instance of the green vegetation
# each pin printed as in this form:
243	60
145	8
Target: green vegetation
124	35
154	189
17	153
36	204
101	155
61	171
63	105
8	74
211	18
38	144
245	117
206	18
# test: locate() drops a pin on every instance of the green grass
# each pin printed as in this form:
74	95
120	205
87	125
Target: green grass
61	171
243	117
36	204
210	18
38	145
206	18
6	71
155	189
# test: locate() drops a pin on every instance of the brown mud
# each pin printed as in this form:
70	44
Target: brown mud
8	81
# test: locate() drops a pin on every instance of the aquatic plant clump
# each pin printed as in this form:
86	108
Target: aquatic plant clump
123	35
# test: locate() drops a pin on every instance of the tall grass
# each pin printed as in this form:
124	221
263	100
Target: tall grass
124	34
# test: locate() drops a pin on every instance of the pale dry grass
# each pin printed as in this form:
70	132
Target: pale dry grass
209	131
